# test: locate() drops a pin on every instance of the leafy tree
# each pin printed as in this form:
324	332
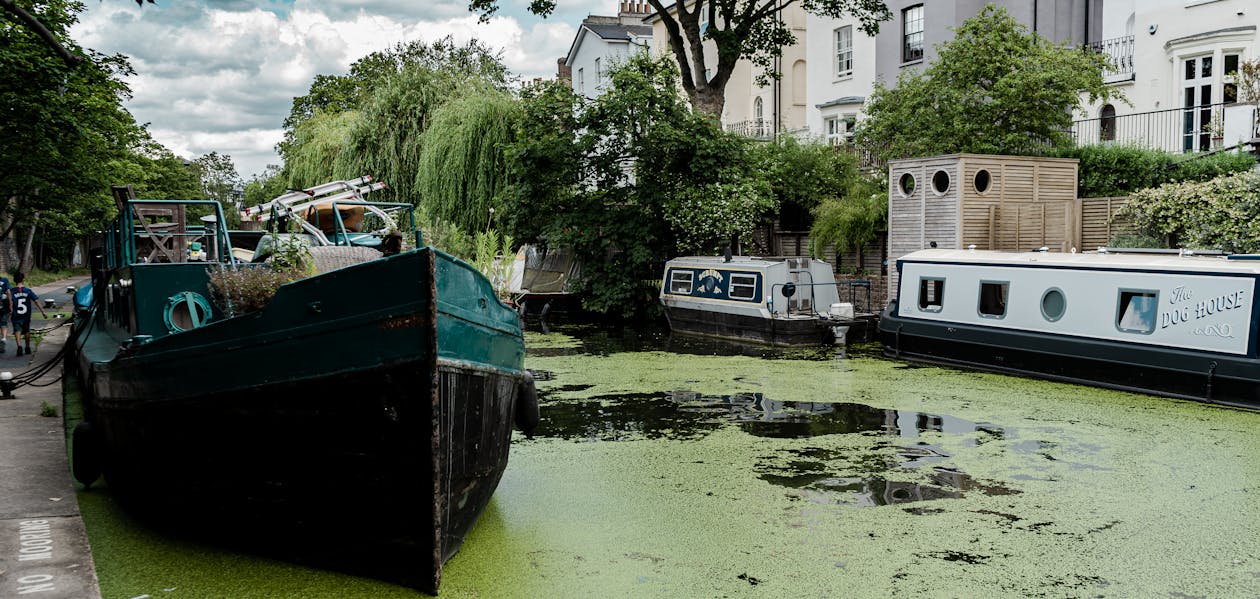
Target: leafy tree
463	168
64	127
342	93
221	183
628	180
995	88
265	187
747	29
853	220
802	175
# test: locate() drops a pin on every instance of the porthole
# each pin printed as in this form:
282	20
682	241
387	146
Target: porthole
906	184
186	311
982	181
940	182
1053	304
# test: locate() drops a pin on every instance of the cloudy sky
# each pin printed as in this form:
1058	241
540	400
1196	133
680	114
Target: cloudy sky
221	75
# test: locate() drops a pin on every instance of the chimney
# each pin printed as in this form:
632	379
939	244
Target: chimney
563	71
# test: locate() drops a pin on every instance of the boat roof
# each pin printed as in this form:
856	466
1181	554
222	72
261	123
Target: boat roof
1240	264
736	261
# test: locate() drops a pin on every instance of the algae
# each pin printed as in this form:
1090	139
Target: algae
657	473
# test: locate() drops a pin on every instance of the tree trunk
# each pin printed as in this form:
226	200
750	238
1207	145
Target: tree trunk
710	100
26	253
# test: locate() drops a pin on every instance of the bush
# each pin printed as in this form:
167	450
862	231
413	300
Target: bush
247	288
852	221
1223	213
1118	170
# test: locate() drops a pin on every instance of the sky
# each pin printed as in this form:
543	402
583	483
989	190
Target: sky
221	75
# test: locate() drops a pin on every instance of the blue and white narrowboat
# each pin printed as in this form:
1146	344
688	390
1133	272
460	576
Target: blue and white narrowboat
1179	325
779	301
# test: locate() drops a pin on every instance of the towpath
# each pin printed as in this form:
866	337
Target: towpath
44	551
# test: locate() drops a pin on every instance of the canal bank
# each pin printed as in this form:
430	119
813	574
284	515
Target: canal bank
44	550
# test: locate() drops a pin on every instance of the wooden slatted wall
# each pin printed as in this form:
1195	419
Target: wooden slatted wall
1098	224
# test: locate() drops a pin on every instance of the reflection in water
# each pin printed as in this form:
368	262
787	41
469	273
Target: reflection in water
829	475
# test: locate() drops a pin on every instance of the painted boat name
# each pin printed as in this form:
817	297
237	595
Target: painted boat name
1202	309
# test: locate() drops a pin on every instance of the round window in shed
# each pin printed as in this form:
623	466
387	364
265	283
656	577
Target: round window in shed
982	181
906	184
1053	304
940	182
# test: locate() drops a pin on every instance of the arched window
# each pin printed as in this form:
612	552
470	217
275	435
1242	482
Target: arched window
1107	123
759	110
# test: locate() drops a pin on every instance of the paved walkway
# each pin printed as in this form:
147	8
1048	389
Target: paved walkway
44	549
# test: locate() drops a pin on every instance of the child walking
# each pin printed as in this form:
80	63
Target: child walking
21	299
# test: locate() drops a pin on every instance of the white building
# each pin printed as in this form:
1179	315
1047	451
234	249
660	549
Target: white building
1174	63
603	41
839	77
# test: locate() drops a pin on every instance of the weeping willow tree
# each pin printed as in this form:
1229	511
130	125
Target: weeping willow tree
463	169
320	150
388	138
851	221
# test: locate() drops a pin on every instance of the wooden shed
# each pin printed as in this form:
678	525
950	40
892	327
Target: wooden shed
1013	203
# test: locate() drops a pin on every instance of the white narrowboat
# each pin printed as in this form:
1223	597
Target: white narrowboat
1179	324
778	301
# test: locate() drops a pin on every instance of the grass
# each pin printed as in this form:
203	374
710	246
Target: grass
37	277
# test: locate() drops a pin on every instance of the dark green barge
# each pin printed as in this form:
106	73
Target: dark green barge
360	421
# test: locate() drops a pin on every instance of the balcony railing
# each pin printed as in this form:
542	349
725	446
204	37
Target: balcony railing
1192	129
756	128
1119	53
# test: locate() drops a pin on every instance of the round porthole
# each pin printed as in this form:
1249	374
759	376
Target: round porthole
1053	304
186	311
906	184
940	182
982	181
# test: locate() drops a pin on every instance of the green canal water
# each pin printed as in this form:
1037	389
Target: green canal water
667	467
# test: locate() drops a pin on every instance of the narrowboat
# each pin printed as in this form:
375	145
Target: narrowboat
1179	324
360	420
776	301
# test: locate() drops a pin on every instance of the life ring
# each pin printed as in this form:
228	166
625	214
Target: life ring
527	416
85	459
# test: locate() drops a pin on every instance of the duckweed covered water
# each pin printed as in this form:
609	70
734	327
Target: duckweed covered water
670	468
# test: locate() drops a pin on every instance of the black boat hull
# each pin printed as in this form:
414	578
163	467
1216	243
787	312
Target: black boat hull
1168	372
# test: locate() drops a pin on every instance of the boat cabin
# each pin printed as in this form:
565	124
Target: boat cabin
1180	325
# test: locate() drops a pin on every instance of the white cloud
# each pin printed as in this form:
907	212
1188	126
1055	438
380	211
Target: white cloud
221	75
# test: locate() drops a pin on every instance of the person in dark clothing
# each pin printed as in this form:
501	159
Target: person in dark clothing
21	299
4	312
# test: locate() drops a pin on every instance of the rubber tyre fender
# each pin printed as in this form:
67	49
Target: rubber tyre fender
527	415
85	460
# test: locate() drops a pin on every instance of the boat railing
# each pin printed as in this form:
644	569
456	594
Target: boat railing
168	240
380	209
853	287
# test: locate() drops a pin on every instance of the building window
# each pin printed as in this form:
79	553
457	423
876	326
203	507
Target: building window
906	184
931	294
1107	123
581	83
1135	312
940	182
599	73
743	287
912	33
840	129
759	110
982	180
1229	89
680	282
993	298
833	130
844	51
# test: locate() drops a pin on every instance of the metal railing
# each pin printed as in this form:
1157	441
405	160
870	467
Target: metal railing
1119	53
756	128
1188	129
853	286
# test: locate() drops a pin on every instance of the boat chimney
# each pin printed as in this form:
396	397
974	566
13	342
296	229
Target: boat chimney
726	255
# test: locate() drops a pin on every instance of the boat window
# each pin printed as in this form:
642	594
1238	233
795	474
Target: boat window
940	182
1053	304
931	294
743	286
1136	311
993	298
680	281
